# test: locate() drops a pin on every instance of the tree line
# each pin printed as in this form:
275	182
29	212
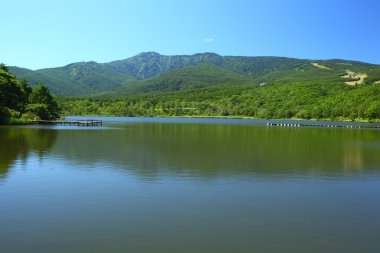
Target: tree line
303	100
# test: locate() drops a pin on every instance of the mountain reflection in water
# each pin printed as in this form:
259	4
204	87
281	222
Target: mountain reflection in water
200	149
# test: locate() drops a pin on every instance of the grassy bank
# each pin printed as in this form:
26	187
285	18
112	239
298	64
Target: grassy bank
19	121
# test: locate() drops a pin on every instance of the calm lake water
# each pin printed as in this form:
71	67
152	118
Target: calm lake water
189	185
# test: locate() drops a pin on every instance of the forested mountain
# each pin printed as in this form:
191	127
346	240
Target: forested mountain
193	77
75	79
152	72
150	84
152	64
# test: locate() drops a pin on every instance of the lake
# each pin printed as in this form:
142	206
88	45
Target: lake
189	185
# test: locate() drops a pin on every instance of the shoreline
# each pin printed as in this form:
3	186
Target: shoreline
18	122
340	120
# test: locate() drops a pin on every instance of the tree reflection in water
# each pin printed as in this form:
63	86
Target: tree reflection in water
18	142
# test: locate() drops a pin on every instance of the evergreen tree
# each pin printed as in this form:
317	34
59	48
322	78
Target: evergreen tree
26	92
43	103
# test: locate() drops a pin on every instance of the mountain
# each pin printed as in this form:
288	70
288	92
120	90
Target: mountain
187	78
152	64
152	72
76	78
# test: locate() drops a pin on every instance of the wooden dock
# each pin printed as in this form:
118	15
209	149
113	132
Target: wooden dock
87	122
327	125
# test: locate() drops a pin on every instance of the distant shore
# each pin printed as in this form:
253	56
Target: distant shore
15	121
343	120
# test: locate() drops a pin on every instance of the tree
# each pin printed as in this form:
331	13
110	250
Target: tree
3	67
10	94
43	103
26	92
10	90
373	111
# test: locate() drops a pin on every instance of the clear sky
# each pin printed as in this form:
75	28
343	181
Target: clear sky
49	33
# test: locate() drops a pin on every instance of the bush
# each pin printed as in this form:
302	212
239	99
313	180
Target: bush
19	121
40	110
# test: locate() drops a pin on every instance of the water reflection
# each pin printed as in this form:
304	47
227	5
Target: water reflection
200	149
17	143
79	189
208	150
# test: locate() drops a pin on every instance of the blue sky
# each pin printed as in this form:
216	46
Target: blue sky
39	34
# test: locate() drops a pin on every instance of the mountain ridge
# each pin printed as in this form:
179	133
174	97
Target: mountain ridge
88	78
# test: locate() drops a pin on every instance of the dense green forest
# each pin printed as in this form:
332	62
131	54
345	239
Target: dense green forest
20	103
201	85
303	100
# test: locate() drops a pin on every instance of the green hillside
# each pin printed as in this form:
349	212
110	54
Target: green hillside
193	77
59	87
77	79
151	64
152	72
250	70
